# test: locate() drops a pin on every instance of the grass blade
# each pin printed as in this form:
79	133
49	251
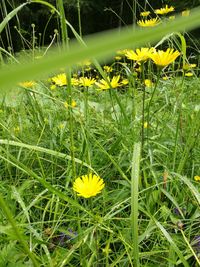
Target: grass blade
10	16
134	201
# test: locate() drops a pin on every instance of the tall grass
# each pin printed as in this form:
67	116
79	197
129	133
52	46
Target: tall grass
148	212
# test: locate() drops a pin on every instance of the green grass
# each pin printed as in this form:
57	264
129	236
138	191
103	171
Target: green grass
148	213
37	176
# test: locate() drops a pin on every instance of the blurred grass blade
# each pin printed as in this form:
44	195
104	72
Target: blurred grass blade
112	40
10	16
134	201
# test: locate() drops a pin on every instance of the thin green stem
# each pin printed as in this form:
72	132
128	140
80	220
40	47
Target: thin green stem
79	18
150	102
143	107
178	128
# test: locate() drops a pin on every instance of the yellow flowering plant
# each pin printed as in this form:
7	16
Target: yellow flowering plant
164	10
148	22
110	83
86	82
61	80
164	58
88	185
144	13
27	84
141	54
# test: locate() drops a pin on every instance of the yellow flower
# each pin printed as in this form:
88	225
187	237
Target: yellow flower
118	58
148	83
86	82
188	66
60	79
124	82
88	185
74	81
197	178
53	87
188	74
140	54
148	22
16	129
85	63
114	82
61	125
165	78
145	13
164	10
122	52
28	84
108	68
145	125
164	58
185	13
171	17
73	104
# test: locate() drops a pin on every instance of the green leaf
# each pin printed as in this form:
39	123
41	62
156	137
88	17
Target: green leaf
10	16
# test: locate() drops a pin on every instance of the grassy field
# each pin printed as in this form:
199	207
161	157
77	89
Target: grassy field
133	124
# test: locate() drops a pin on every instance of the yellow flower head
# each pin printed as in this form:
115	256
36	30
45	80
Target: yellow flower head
118	58
148	83
122	52
189	74
172	17
124	82
88	185
164	58
165	78
197	178
145	125
114	83
185	13
28	84
188	66
140	54
86	82
53	87
74	81
164	10
85	63
108	68
16	129
60	79
73	104
148	22
145	13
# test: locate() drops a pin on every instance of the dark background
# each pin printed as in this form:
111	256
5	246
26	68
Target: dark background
96	15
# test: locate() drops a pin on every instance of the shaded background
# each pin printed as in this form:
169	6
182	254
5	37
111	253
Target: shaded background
96	16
